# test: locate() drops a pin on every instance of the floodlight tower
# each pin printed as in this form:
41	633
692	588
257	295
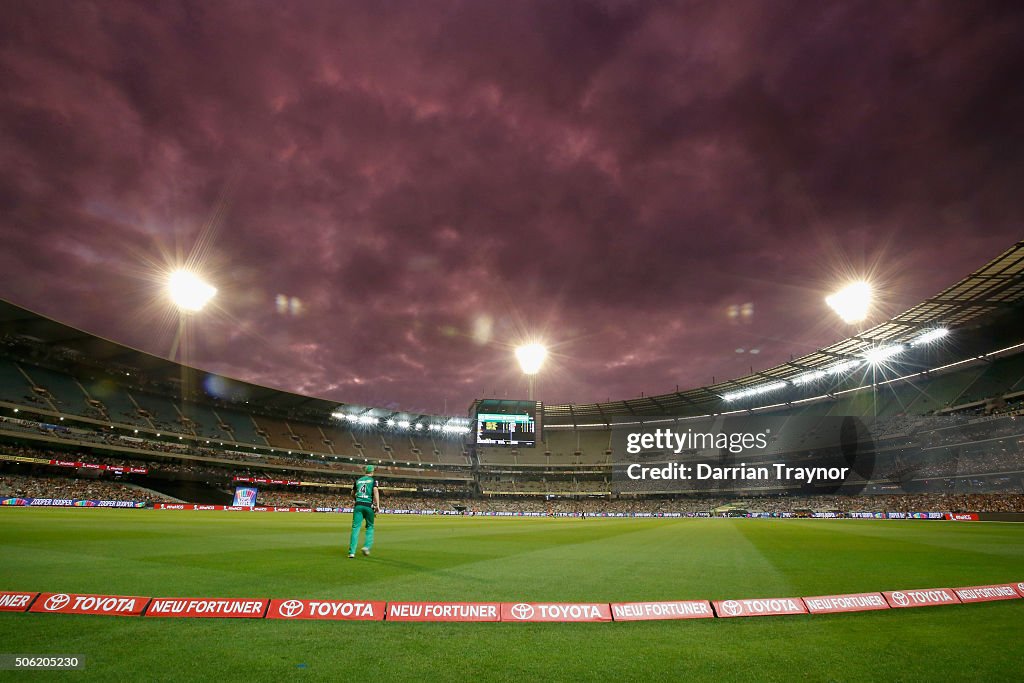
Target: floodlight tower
853	304
531	358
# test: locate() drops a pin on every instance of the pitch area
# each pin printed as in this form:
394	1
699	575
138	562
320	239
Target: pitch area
261	555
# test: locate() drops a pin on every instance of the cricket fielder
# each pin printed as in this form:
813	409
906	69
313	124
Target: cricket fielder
367	499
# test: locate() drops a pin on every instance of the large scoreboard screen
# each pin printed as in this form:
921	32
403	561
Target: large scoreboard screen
509	423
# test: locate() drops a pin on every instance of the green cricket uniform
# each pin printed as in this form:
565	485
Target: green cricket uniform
363	510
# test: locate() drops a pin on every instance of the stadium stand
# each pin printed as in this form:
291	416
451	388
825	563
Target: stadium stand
240	426
405	449
451	452
117	402
997	379
65	394
76	489
202	421
277	433
310	437
16	386
159	410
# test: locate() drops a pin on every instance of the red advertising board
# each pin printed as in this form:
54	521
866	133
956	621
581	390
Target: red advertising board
83	603
443	611
652	611
95	466
759	607
334	610
1020	588
14	601
849	602
921	597
963	516
555	611
234	608
1002	591
191	506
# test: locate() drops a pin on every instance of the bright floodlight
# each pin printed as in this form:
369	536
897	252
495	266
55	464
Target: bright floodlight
929	337
880	354
851	302
531	357
188	292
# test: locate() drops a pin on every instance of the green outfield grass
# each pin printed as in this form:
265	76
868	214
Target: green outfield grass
222	554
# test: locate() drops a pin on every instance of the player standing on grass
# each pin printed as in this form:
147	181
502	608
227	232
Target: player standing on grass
367	503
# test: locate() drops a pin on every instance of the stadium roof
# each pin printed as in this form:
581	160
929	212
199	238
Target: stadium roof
75	346
996	287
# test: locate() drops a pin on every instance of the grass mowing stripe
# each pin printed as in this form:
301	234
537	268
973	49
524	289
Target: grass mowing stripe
211	554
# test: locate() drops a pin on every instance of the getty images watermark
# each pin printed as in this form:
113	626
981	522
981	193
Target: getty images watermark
736	442
673	455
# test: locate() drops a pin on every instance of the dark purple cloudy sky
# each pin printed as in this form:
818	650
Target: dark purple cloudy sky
433	181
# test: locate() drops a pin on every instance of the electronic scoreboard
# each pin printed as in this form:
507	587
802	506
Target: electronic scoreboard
506	423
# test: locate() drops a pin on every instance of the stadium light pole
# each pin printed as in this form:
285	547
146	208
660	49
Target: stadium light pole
852	303
531	357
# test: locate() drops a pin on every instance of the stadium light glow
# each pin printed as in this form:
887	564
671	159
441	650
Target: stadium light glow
852	302
880	354
531	357
809	377
455	429
930	336
815	375
754	391
451	425
188	291
843	367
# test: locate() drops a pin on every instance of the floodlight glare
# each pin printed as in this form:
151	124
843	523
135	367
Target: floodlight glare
880	354
755	391
188	291
531	357
851	302
929	337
